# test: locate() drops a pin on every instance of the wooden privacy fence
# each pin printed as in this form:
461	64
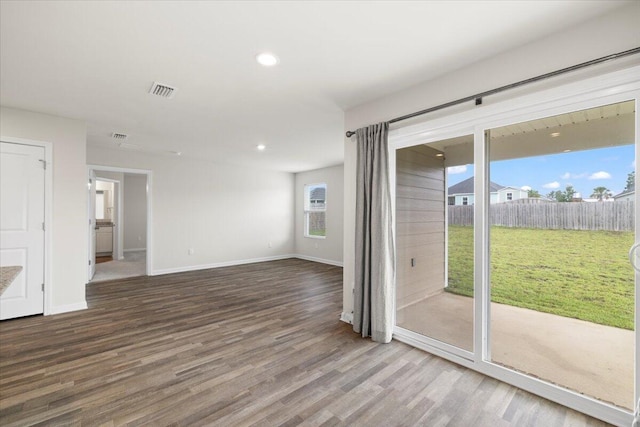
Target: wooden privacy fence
612	216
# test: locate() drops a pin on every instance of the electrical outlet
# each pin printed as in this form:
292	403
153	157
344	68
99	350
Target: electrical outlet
139	238
270	245
316	245
191	251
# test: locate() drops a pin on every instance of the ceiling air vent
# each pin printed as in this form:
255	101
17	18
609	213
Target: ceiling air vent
162	90
119	136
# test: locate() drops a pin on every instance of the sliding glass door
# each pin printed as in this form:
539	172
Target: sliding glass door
434	224
513	231
562	220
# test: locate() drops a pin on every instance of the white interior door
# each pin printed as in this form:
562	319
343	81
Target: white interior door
92	224
22	187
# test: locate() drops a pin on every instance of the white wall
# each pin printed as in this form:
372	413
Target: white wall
69	230
135	212
329	249
226	214
610	33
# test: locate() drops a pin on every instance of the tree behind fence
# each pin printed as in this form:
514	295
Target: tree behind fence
612	216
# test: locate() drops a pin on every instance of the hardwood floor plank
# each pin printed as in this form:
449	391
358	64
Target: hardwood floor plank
257	344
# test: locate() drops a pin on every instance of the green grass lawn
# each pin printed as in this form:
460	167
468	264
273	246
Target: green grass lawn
581	274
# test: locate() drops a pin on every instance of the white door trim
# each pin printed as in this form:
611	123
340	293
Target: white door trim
149	175
48	214
600	90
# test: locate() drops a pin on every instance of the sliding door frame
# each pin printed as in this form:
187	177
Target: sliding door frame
605	89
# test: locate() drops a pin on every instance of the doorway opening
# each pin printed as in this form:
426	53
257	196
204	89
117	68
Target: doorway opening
119	217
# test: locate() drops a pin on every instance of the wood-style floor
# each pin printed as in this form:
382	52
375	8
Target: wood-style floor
258	344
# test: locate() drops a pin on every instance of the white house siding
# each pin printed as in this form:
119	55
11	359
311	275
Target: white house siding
471	198
628	197
460	197
516	193
420	227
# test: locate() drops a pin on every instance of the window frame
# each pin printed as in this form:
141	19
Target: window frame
307	209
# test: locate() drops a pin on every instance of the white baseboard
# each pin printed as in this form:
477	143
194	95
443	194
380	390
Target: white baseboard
321	260
347	318
239	262
59	309
134	250
218	264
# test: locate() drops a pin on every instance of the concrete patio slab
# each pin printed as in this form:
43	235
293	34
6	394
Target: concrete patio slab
592	359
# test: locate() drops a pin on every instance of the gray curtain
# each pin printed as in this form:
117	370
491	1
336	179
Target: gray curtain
374	292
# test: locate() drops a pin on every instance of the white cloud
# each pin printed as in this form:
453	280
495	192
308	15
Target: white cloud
568	175
600	175
457	169
552	185
525	188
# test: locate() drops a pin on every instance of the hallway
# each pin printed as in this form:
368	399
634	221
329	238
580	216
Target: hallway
133	264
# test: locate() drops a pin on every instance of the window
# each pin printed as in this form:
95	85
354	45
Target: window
509	196
465	201
452	200
315	210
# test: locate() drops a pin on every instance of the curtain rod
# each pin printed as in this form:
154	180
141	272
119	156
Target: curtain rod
478	97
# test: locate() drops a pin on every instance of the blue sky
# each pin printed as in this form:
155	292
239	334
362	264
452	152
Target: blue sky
585	170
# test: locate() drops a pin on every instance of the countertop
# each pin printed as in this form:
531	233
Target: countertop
7	276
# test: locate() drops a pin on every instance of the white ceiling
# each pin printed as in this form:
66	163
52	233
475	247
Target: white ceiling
96	61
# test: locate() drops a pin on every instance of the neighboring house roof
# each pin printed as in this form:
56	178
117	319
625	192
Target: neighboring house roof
466	187
507	188
631	190
624	193
317	193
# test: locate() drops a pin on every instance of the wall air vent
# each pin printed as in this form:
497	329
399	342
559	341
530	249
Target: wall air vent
162	90
119	136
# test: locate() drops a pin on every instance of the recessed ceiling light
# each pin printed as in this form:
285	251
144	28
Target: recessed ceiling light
555	134
566	151
439	155
261	147
267	59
